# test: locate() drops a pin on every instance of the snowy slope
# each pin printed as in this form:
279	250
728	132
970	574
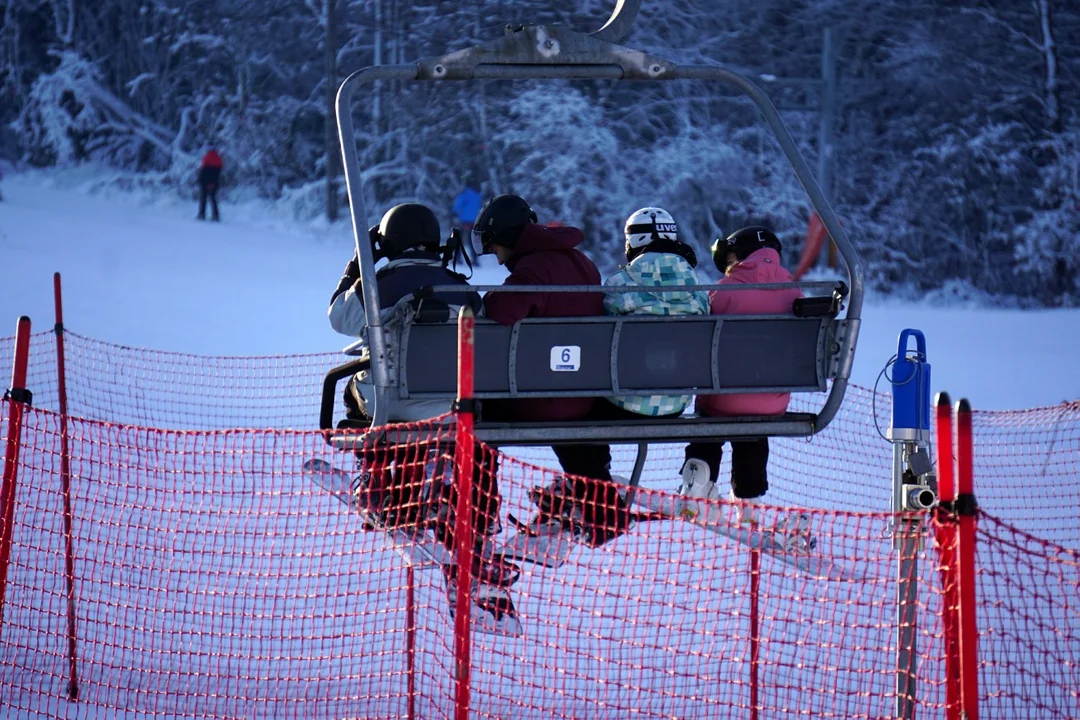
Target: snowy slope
147	274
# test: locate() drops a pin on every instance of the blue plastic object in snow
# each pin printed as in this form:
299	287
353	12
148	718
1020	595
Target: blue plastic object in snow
911	384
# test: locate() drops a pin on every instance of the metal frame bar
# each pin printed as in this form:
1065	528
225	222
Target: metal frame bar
627	433
549	52
611	290
667	319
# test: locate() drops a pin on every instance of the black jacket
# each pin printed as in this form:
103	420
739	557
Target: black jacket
401	277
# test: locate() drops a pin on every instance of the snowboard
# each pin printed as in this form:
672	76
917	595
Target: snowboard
753	537
546	549
418	547
552	549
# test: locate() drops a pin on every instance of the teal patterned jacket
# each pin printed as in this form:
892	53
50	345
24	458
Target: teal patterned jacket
656	270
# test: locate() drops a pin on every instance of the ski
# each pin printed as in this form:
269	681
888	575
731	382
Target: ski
674	507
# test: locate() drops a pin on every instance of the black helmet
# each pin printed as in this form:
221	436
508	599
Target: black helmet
501	222
406	226
742	243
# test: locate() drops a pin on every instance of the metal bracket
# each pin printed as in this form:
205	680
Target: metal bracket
531	51
511	368
715	353
616	333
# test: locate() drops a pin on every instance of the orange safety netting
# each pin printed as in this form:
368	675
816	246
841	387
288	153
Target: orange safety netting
214	578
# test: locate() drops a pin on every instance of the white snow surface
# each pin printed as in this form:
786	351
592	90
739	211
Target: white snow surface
141	271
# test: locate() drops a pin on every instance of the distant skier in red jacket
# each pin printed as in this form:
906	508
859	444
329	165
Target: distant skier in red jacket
209	178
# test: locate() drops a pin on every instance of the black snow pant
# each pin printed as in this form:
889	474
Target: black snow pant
749	463
604	511
208	190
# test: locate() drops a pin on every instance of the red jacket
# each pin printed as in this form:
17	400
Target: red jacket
546	256
211	159
210	170
762	266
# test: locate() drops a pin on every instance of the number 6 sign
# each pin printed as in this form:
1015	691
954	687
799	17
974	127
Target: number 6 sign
566	358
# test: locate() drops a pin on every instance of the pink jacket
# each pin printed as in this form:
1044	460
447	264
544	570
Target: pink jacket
762	266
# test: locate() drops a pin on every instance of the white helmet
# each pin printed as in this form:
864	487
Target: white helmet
648	225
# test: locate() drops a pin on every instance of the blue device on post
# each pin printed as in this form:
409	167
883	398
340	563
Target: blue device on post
911	385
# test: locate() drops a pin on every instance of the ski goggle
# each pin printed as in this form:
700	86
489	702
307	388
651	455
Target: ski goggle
478	242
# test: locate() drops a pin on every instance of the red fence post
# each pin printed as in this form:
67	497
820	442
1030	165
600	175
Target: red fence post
410	642
65	491
463	527
945	540
755	622
967	511
20	397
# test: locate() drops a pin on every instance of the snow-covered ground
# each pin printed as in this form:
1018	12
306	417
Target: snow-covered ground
143	272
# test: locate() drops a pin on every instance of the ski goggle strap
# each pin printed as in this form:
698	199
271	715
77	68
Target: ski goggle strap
653	229
454	249
375	238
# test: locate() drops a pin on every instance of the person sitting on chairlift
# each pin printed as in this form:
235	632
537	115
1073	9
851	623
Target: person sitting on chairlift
587	504
393	479
747	256
654	257
408	237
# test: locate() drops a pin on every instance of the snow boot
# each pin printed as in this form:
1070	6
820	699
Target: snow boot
698	486
493	609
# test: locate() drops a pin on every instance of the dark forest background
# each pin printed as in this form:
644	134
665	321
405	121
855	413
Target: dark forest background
956	125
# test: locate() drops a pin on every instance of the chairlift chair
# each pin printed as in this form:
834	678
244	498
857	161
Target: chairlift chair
810	350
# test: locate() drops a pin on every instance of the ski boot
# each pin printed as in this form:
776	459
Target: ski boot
592	522
747	509
559	509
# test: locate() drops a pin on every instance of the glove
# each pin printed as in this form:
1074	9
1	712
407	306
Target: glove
376	240
352	270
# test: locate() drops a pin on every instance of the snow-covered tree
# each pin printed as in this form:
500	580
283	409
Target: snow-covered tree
954	146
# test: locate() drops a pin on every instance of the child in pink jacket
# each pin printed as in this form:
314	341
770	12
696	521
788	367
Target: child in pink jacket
747	256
